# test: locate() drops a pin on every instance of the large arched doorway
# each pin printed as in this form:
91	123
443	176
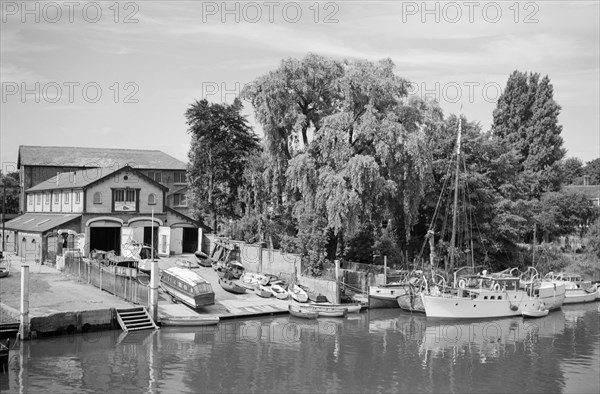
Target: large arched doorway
105	234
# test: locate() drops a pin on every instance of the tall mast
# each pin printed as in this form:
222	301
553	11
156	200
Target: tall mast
455	213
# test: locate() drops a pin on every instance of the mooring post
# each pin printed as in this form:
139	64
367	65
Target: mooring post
385	270
154	291
24	302
337	281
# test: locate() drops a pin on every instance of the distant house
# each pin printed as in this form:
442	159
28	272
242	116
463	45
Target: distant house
591	191
40	163
100	199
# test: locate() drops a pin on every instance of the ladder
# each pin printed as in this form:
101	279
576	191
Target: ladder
134	319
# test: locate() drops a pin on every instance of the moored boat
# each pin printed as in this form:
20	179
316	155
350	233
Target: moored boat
279	292
249	281
298	294
301	312
263	291
236	268
550	292
535	313
187	286
576	289
231	286
186	264
327	310
202	258
351	308
481	296
189	321
385	296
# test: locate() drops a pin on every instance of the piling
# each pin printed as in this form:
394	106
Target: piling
154	290
24	334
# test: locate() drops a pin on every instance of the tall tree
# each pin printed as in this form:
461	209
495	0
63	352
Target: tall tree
592	169
9	186
572	170
222	142
526	117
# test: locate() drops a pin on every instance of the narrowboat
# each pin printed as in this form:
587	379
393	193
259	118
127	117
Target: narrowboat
187	286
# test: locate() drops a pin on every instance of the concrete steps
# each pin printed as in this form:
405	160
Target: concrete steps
134	319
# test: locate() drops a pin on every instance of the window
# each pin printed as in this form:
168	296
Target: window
179	200
179	177
97	198
56	198
151	199
155	176
124	200
46	198
66	197
77	197
38	199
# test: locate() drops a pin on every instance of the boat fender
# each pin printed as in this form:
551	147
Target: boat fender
496	287
462	284
514	308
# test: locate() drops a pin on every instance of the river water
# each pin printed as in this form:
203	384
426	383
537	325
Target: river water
374	351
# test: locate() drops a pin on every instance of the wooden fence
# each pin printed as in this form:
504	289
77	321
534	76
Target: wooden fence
130	288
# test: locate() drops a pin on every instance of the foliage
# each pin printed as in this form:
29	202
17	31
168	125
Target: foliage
346	149
222	142
11	196
572	171
562	213
592	168
526	117
593	235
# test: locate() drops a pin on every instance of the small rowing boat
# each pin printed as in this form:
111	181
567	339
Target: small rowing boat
298	294
189	321
535	313
279	292
231	286
263	291
299	311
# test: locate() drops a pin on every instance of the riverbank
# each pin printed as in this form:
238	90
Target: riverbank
59	302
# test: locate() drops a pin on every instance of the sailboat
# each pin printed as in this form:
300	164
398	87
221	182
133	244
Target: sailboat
478	295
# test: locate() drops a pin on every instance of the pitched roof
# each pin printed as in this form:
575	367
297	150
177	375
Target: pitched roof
591	191
39	222
82	178
70	156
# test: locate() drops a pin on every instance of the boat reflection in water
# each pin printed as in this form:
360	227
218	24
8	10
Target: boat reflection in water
374	351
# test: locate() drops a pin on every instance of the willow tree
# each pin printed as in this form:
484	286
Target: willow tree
368	162
222	142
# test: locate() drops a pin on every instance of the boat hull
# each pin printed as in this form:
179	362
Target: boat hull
384	296
327	310
263	292
191	321
302	312
552	295
577	296
411	301
194	302
512	303
536	313
231	286
298	294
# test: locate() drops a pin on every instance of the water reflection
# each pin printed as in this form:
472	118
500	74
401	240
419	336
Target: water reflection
380	350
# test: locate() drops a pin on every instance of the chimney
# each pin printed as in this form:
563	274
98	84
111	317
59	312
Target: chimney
586	180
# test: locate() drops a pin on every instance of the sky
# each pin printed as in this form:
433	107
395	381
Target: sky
121	75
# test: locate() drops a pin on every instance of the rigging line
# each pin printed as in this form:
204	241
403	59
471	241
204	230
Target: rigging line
473	219
437	207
